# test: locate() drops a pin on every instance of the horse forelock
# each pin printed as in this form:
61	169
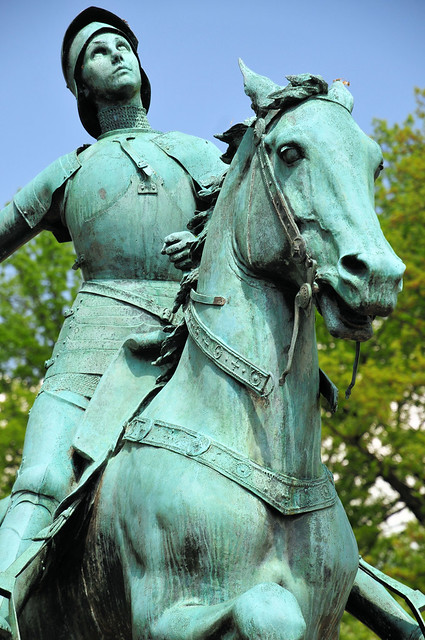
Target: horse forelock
300	88
306	87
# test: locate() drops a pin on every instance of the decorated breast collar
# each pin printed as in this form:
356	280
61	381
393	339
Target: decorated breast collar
286	494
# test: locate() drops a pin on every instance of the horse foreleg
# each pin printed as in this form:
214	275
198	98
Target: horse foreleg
186	621
265	612
371	603
269	612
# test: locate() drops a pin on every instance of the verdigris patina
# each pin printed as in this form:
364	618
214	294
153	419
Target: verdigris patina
215	517
116	200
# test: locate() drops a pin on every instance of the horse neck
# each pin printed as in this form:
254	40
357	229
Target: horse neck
257	321
282	430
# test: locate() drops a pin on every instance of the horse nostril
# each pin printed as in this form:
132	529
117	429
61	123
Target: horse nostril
354	265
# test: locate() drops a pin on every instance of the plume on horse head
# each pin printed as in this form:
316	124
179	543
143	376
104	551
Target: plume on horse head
266	95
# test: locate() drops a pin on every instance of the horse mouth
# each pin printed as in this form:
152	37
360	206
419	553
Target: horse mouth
342	320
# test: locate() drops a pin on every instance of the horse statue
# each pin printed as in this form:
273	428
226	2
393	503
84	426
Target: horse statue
216	518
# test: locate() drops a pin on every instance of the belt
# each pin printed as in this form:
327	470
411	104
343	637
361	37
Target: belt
113	290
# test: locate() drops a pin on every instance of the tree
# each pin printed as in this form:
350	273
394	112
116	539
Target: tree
375	444
36	284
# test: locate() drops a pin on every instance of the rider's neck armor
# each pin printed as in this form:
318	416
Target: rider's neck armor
123	117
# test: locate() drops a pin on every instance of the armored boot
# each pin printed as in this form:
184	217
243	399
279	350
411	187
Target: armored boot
27	515
374	606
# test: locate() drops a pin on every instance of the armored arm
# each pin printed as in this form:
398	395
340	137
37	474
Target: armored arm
184	248
35	207
14	230
202	161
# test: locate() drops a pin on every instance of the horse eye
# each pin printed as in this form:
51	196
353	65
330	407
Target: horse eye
290	154
378	170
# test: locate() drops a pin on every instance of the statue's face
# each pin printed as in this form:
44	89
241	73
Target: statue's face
111	71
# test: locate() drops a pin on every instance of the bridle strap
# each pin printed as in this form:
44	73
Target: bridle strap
280	203
227	359
285	214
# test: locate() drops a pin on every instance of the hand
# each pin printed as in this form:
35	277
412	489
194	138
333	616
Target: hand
177	247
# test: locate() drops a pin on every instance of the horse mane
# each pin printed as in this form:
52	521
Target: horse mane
300	88
172	346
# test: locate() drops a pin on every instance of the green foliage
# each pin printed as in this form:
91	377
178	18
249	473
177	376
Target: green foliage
36	285
379	433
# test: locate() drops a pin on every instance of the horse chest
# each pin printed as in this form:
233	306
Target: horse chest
195	521
195	515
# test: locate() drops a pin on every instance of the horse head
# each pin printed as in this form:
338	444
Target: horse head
316	202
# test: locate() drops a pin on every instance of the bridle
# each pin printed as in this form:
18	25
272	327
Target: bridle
229	360
299	255
226	358
285	214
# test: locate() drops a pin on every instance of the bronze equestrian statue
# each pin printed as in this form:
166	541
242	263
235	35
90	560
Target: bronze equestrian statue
202	510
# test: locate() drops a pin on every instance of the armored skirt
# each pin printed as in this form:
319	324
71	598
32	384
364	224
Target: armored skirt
104	314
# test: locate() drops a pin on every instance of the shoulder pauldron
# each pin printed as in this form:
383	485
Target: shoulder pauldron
35	199
199	157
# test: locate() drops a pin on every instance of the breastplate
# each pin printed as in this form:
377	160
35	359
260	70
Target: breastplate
127	196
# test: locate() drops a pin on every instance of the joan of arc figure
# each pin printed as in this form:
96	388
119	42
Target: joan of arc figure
116	200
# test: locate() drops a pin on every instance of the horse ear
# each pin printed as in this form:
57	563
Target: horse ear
258	88
340	93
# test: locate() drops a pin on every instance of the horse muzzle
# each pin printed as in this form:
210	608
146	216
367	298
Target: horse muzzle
360	288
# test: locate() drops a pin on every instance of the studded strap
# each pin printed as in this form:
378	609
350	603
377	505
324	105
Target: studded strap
289	495
227	359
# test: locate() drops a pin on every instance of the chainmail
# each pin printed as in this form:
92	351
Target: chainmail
123	117
82	383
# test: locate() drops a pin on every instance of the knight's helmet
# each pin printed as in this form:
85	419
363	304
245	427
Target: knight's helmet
87	24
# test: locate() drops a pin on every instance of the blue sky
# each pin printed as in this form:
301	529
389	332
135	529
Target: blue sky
189	50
